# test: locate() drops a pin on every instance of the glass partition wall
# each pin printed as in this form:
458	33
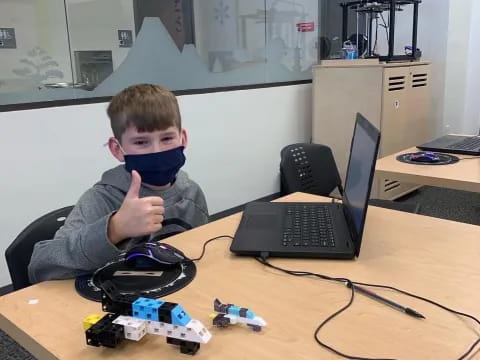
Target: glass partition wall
75	49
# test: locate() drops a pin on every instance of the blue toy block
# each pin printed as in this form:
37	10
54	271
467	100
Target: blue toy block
241	312
234	310
250	314
179	316
146	309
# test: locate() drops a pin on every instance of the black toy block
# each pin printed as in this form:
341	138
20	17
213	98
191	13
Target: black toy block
186	347
165	312
105	333
120	304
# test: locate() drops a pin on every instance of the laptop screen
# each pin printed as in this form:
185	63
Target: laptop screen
358	182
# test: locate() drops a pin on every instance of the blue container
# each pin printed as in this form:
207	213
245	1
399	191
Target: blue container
349	51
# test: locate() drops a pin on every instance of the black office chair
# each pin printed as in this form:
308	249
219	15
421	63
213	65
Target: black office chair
20	251
311	168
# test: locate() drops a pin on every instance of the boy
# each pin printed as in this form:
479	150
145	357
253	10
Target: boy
128	205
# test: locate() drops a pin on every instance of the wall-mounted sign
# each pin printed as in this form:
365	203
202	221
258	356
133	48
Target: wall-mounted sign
7	38
306	26
125	38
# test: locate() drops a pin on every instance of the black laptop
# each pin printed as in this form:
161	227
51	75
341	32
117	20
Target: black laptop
455	144
327	230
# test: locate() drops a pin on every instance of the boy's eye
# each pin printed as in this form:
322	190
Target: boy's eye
169	138
140	142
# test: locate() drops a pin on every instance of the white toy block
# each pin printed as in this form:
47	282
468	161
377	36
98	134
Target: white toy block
257	320
158	328
194	331
135	335
134	328
130	322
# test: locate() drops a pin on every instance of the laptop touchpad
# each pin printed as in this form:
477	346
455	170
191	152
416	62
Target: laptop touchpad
262	221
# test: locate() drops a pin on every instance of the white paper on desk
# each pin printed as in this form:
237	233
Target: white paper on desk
33	301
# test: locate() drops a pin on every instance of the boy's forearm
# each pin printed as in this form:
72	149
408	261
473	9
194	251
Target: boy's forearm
113	234
72	252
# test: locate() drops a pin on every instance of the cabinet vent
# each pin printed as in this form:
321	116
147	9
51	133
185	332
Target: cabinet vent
419	80
396	83
390	185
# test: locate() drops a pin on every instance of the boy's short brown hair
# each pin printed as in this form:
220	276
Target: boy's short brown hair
147	107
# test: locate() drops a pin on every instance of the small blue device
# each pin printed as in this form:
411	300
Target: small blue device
425	157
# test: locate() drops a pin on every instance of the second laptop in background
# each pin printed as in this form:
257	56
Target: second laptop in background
455	144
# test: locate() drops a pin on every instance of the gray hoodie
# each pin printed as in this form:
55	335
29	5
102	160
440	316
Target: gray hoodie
82	245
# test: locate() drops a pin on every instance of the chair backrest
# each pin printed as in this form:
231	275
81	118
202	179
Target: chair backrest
308	168
19	252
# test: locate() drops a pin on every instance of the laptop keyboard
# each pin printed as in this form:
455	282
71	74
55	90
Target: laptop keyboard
472	143
308	225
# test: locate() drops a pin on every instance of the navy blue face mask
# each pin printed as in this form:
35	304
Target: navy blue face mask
156	169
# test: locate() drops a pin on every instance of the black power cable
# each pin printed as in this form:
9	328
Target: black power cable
206	243
349	283
343	280
331	317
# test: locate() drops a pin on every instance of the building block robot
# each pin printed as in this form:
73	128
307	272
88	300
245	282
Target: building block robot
226	314
130	317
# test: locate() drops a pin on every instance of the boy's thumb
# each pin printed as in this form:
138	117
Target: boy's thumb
134	189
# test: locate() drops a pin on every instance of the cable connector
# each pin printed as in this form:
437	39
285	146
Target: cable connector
264	255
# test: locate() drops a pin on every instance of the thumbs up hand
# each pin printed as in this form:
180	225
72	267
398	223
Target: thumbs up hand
134	190
137	216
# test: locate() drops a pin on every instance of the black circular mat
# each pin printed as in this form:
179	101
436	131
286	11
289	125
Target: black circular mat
443	159
150	283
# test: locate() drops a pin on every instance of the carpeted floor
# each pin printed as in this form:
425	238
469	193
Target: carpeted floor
462	206
437	202
10	350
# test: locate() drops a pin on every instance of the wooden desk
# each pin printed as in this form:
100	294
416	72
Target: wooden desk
427	256
464	175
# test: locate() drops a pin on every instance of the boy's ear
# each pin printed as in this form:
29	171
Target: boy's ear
115	149
183	135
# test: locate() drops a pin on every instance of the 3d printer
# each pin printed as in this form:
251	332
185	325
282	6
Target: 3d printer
372	9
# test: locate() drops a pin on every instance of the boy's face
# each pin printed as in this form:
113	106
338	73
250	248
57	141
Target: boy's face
134	142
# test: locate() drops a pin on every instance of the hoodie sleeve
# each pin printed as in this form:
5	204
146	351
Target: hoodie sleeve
201	217
78	247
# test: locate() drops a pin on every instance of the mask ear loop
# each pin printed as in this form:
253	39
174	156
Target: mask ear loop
120	146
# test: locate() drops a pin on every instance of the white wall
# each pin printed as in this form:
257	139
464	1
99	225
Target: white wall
448	33
432	35
51	156
458	45
471	123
